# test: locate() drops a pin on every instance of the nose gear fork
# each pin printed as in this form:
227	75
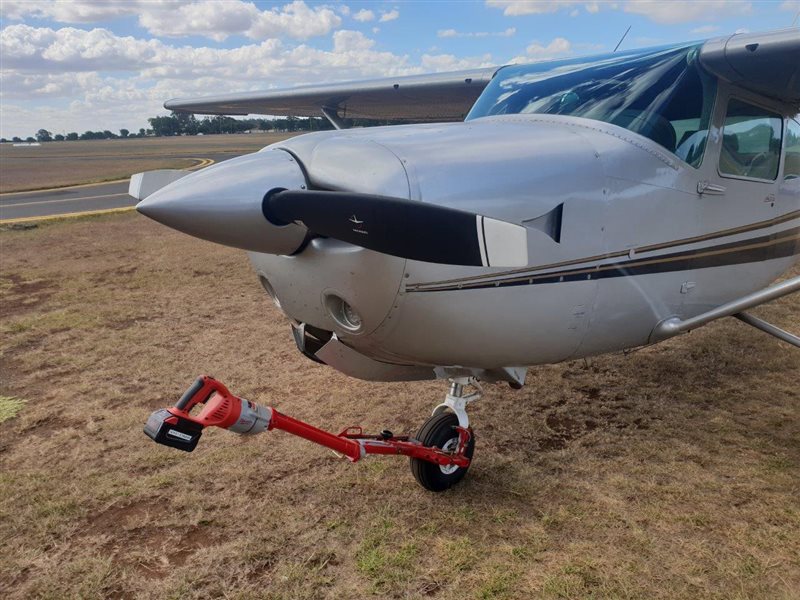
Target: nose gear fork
456	400
448	428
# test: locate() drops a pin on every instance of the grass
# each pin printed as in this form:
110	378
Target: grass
59	164
10	407
667	473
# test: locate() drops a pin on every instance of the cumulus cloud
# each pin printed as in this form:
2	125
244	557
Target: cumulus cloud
96	79
178	18
452	33
389	15
558	47
364	15
660	11
450	62
513	8
81	11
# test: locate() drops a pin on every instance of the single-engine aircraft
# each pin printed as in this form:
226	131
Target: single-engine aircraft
535	214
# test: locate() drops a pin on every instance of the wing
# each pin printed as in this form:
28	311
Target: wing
434	97
764	63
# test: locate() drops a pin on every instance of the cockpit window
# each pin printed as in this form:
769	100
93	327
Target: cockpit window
661	94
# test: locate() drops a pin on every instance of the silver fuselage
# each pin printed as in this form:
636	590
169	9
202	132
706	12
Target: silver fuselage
638	243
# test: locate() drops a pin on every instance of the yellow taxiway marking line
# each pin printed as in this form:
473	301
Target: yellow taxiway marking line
2	206
204	162
85	213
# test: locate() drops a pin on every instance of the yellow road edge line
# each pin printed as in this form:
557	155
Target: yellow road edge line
204	162
85	213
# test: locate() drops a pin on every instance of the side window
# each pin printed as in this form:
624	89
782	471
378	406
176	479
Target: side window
751	141
791	168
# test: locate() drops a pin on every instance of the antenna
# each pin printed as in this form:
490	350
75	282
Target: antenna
622	38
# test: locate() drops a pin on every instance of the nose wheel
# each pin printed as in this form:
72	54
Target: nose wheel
441	431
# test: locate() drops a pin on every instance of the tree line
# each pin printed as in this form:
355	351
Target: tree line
187	124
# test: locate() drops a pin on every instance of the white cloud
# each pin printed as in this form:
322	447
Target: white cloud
179	18
75	79
80	11
684	11
449	62
558	47
660	11
515	8
364	15
389	16
452	33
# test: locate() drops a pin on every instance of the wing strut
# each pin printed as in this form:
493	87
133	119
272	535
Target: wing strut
768	328
673	326
333	117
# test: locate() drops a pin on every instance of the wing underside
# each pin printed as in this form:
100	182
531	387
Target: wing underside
434	97
764	63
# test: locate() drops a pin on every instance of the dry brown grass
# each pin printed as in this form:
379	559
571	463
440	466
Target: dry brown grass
672	472
57	164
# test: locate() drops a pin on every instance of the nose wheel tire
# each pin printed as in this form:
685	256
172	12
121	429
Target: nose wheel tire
440	431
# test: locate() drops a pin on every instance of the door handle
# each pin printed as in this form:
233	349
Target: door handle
712	189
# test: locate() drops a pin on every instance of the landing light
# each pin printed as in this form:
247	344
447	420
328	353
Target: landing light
343	313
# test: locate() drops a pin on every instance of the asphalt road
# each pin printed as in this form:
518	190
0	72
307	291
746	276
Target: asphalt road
70	200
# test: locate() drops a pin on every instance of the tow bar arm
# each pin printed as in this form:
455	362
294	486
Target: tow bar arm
177	427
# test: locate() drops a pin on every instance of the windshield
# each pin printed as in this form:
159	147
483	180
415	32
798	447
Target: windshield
660	93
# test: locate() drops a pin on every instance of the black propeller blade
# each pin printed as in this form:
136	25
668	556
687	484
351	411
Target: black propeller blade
405	228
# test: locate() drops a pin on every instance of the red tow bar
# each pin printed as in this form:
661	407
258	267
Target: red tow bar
178	428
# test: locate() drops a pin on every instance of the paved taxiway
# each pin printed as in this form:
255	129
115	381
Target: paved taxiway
78	199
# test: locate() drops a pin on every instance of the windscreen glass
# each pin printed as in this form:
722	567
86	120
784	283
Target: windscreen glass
661	94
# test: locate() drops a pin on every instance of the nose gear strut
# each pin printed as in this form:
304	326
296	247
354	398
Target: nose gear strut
442	444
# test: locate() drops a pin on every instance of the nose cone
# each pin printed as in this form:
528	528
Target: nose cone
222	203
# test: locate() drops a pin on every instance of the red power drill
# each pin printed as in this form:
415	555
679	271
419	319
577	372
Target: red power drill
177	428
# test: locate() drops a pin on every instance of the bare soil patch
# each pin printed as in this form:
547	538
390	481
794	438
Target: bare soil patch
671	472
58	164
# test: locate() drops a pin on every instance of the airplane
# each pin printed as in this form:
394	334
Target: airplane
532	214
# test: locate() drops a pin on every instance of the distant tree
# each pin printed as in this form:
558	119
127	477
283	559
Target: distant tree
58	137
72	136
123	133
109	135
30	140
3	140
164	125
141	132
16	139
44	136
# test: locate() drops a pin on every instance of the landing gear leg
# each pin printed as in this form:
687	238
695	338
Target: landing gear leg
445	429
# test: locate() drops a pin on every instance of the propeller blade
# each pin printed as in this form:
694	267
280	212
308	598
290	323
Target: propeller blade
405	228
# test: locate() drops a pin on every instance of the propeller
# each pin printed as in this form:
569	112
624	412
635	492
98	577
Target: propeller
404	228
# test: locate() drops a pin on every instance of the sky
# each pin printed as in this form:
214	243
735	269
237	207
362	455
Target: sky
92	65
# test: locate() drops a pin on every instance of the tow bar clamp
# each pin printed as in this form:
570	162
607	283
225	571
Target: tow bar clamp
177	427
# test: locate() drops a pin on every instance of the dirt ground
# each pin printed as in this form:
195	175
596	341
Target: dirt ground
57	164
670	472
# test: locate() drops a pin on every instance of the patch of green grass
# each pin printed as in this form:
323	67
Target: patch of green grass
499	584
383	558
778	463
10	407
575	580
459	554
